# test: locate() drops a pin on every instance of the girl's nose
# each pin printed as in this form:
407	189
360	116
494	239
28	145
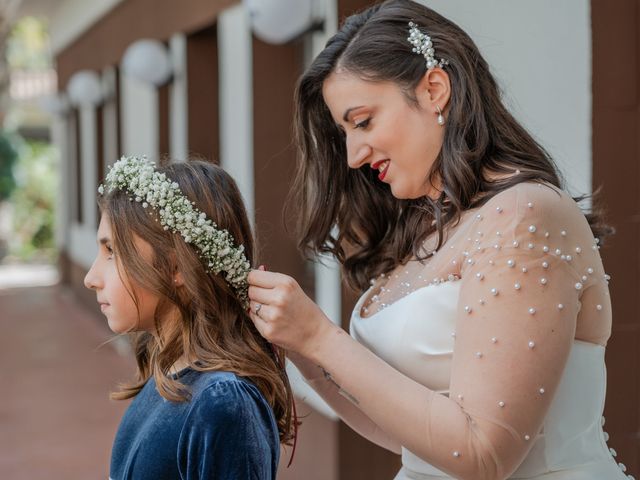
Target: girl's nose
91	279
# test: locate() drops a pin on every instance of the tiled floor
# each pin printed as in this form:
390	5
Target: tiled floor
56	420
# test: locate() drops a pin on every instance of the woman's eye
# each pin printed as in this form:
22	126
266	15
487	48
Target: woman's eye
109	250
363	123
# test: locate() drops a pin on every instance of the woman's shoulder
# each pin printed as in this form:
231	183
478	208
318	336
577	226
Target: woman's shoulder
535	212
530	200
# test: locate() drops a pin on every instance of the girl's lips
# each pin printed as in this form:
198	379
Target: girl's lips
103	306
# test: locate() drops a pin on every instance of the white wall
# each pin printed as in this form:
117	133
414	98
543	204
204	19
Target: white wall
540	52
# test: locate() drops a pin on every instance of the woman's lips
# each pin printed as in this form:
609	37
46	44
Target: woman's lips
103	306
382	166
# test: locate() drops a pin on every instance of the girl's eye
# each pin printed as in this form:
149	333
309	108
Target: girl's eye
363	123
110	250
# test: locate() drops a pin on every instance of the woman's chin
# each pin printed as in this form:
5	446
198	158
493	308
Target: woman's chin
401	192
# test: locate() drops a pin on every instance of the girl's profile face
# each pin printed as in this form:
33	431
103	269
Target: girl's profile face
113	288
383	131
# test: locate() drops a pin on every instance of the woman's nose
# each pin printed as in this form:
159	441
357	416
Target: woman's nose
357	156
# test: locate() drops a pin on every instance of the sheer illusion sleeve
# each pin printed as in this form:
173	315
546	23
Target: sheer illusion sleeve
525	267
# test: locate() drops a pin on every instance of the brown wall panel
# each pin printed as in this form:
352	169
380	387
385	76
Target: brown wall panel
203	99
616	167
275	71
164	112
99	154
105	42
316	451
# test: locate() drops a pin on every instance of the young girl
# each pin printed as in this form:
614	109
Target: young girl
477	347
210	399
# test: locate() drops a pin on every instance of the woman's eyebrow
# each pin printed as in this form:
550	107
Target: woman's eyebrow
104	240
345	117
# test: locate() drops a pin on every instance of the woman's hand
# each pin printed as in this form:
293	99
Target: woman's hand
284	315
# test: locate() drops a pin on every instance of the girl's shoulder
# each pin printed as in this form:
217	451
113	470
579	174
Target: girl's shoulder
222	389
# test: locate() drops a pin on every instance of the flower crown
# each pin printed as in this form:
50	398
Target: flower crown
423	45
177	213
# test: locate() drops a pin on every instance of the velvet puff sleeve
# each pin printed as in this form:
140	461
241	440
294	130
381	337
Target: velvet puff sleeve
229	433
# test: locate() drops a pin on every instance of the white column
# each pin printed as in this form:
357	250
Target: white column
328	291
178	106
82	244
58	129
139	117
88	142
236	101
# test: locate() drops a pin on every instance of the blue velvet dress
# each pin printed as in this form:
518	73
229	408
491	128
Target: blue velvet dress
226	431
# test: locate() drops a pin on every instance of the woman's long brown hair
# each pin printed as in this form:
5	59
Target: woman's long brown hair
482	142
213	331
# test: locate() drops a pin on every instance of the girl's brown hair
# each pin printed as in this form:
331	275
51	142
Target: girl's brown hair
213	330
483	145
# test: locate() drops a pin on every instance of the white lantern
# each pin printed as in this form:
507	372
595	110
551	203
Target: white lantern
279	21
85	88
148	61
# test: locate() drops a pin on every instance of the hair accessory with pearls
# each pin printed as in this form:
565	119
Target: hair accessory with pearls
423	45
177	213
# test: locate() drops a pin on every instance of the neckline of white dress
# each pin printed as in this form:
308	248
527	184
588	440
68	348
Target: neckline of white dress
365	296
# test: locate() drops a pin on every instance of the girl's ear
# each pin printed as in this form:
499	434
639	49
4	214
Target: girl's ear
178	279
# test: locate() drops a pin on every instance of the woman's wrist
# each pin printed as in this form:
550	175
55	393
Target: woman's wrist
319	343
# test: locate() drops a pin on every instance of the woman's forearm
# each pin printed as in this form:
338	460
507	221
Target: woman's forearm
343	407
395	403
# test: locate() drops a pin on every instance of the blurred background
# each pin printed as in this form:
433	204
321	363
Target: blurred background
82	83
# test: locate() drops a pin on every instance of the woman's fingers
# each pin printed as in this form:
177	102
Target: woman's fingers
260	278
262	295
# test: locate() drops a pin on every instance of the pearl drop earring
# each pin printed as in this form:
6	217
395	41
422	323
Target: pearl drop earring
440	116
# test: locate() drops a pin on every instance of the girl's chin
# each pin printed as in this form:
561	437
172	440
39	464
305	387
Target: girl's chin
118	327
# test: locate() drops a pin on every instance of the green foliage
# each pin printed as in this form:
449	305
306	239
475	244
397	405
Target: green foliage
8	157
28	45
34	202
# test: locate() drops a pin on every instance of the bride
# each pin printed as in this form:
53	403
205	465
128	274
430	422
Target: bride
477	348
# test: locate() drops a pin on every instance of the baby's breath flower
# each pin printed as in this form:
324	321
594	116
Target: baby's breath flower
177	213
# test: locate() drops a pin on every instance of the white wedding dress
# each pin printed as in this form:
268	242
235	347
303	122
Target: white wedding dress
505	326
571	444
